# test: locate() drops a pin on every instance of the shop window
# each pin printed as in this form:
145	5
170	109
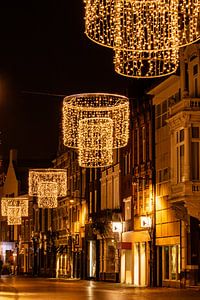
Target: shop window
166	261
110	261
91	259
171	262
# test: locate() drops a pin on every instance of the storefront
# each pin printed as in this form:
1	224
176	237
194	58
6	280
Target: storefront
135	258
168	258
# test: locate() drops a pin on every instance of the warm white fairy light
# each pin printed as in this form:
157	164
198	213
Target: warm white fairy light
146	34
14	215
85	106
189	21
58	176
47	194
95	142
15	201
100	21
148	44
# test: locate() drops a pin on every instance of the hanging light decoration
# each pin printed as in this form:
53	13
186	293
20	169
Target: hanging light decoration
189	21
47	194
145	34
95	142
14	215
85	106
15	201
100	21
47	185
146	43
86	120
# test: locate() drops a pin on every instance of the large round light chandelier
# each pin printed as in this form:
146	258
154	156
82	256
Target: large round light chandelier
14	209
86	120
145	34
47	185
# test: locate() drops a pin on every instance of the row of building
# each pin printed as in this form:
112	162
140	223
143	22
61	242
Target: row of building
135	222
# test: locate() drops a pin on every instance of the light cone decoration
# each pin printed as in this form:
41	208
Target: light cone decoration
95	142
145	34
94	109
47	185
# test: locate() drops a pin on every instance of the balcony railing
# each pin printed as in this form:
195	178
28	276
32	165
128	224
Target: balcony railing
185	104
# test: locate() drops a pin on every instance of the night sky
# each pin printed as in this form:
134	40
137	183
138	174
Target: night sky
44	53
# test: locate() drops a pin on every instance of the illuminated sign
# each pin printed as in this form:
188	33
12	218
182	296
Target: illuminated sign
116	226
145	222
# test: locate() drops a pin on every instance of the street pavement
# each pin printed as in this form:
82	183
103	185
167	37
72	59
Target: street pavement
24	288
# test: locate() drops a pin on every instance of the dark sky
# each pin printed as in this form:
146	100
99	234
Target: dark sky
44	52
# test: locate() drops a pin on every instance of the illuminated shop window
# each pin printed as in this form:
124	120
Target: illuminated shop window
171	262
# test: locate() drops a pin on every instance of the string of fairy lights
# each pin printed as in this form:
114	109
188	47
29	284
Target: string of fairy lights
47	185
95	124
145	34
14	209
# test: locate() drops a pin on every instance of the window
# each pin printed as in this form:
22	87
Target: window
195	132
110	256
171	262
163	175
144	143
180	155
95	201
195	87
166	261
135	159
161	114
195	160
195	79
195	69
140	145
90	203
195	153
126	163
127	208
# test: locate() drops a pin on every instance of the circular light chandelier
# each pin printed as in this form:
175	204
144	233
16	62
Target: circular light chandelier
14	209
145	34
86	119
100	21
47	185
95	142
84	106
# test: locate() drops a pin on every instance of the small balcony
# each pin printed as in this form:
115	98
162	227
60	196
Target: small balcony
188	193
185	105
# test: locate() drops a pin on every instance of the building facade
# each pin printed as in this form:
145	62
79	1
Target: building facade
177	113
